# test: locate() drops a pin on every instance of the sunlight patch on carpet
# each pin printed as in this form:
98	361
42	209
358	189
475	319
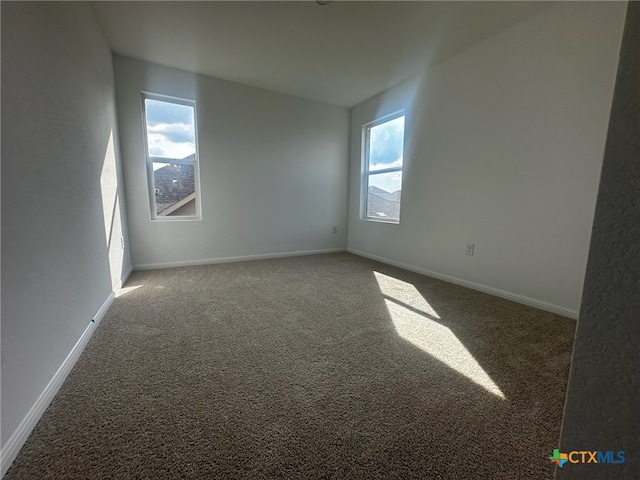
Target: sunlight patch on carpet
125	290
441	343
405	293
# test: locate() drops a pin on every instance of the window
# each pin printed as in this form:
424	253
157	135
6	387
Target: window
383	156
172	157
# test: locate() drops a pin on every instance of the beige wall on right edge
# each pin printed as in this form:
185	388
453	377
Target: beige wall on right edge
503	148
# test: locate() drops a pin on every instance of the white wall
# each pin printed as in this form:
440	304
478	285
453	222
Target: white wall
273	170
62	205
504	146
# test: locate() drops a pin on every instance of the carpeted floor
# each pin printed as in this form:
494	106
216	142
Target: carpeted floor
319	367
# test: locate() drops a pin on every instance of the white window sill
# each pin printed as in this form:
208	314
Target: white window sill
380	220
177	219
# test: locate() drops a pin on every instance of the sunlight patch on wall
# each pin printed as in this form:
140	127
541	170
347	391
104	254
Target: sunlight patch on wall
439	342
109	187
405	293
113	225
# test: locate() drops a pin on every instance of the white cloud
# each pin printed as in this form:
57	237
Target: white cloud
172	140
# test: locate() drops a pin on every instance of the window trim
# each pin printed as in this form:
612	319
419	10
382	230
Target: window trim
151	188
365	174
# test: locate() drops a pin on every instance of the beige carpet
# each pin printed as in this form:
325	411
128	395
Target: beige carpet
320	367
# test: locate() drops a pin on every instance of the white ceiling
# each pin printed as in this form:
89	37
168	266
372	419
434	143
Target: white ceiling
342	53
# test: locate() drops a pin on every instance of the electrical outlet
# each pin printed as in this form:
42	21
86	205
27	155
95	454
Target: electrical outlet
335	229
469	250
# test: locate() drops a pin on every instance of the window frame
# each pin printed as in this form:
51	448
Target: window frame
365	173
151	188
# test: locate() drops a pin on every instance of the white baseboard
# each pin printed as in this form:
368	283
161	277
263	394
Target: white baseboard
17	439
244	258
531	302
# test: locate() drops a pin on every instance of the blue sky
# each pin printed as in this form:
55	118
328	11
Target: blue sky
385	151
170	129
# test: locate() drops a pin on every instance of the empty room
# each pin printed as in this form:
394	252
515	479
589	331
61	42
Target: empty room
320	239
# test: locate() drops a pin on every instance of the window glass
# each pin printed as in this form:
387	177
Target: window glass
171	157
384	142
